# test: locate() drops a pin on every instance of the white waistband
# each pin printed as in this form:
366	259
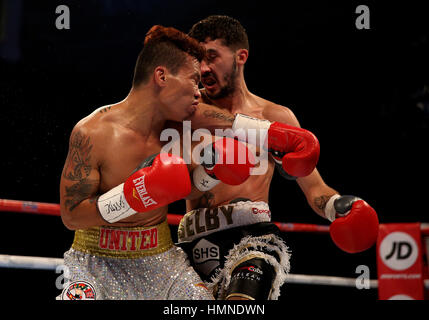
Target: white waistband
202	222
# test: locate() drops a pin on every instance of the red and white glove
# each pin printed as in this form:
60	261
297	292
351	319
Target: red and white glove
155	183
354	226
226	160
296	149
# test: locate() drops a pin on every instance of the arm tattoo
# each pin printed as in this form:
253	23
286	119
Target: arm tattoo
78	192
218	115
77	169
320	202
78	160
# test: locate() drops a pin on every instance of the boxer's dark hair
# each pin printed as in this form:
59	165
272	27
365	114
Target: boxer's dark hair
165	47
228	29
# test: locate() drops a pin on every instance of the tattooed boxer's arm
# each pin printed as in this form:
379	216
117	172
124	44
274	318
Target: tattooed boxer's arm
79	184
211	117
316	191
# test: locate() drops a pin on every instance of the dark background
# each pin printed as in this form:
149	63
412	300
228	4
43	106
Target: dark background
364	93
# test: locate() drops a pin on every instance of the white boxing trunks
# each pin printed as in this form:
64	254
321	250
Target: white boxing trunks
133	264
236	250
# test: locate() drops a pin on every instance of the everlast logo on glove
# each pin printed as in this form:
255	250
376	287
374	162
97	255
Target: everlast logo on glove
141	190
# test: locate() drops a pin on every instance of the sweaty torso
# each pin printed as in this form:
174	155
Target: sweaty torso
256	187
117	151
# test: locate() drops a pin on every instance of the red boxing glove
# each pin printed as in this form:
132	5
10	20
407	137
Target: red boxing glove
227	160
158	181
354	225
296	149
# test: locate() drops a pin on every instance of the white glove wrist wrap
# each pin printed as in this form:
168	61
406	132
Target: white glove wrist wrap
244	123
330	211
202	180
113	206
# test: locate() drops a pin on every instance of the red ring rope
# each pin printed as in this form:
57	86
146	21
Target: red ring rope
30	207
172	219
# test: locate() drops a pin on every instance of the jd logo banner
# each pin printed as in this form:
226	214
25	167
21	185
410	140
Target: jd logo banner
398	251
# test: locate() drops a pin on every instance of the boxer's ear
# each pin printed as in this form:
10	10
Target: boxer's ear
241	56
160	76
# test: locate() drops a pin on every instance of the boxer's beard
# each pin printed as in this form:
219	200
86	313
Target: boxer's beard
229	87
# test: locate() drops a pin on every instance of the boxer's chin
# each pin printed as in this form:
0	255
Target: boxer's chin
212	89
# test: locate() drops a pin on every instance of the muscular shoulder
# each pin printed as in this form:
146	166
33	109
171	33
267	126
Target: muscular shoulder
93	124
276	112
92	131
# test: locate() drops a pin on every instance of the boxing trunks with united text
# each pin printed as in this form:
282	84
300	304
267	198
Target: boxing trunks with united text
133	263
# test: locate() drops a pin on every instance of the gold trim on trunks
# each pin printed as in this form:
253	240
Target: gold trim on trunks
122	242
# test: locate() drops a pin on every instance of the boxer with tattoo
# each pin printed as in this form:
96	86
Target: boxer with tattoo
227	232
117	183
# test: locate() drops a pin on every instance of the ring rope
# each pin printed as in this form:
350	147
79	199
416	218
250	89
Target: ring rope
27	262
172	219
41	263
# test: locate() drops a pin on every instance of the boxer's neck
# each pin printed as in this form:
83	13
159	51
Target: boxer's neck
142	113
239	101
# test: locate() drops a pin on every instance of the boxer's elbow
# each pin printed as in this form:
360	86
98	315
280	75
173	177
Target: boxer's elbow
82	215
69	220
73	218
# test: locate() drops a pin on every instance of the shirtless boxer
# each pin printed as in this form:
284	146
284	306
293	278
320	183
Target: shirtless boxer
227	232
116	185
